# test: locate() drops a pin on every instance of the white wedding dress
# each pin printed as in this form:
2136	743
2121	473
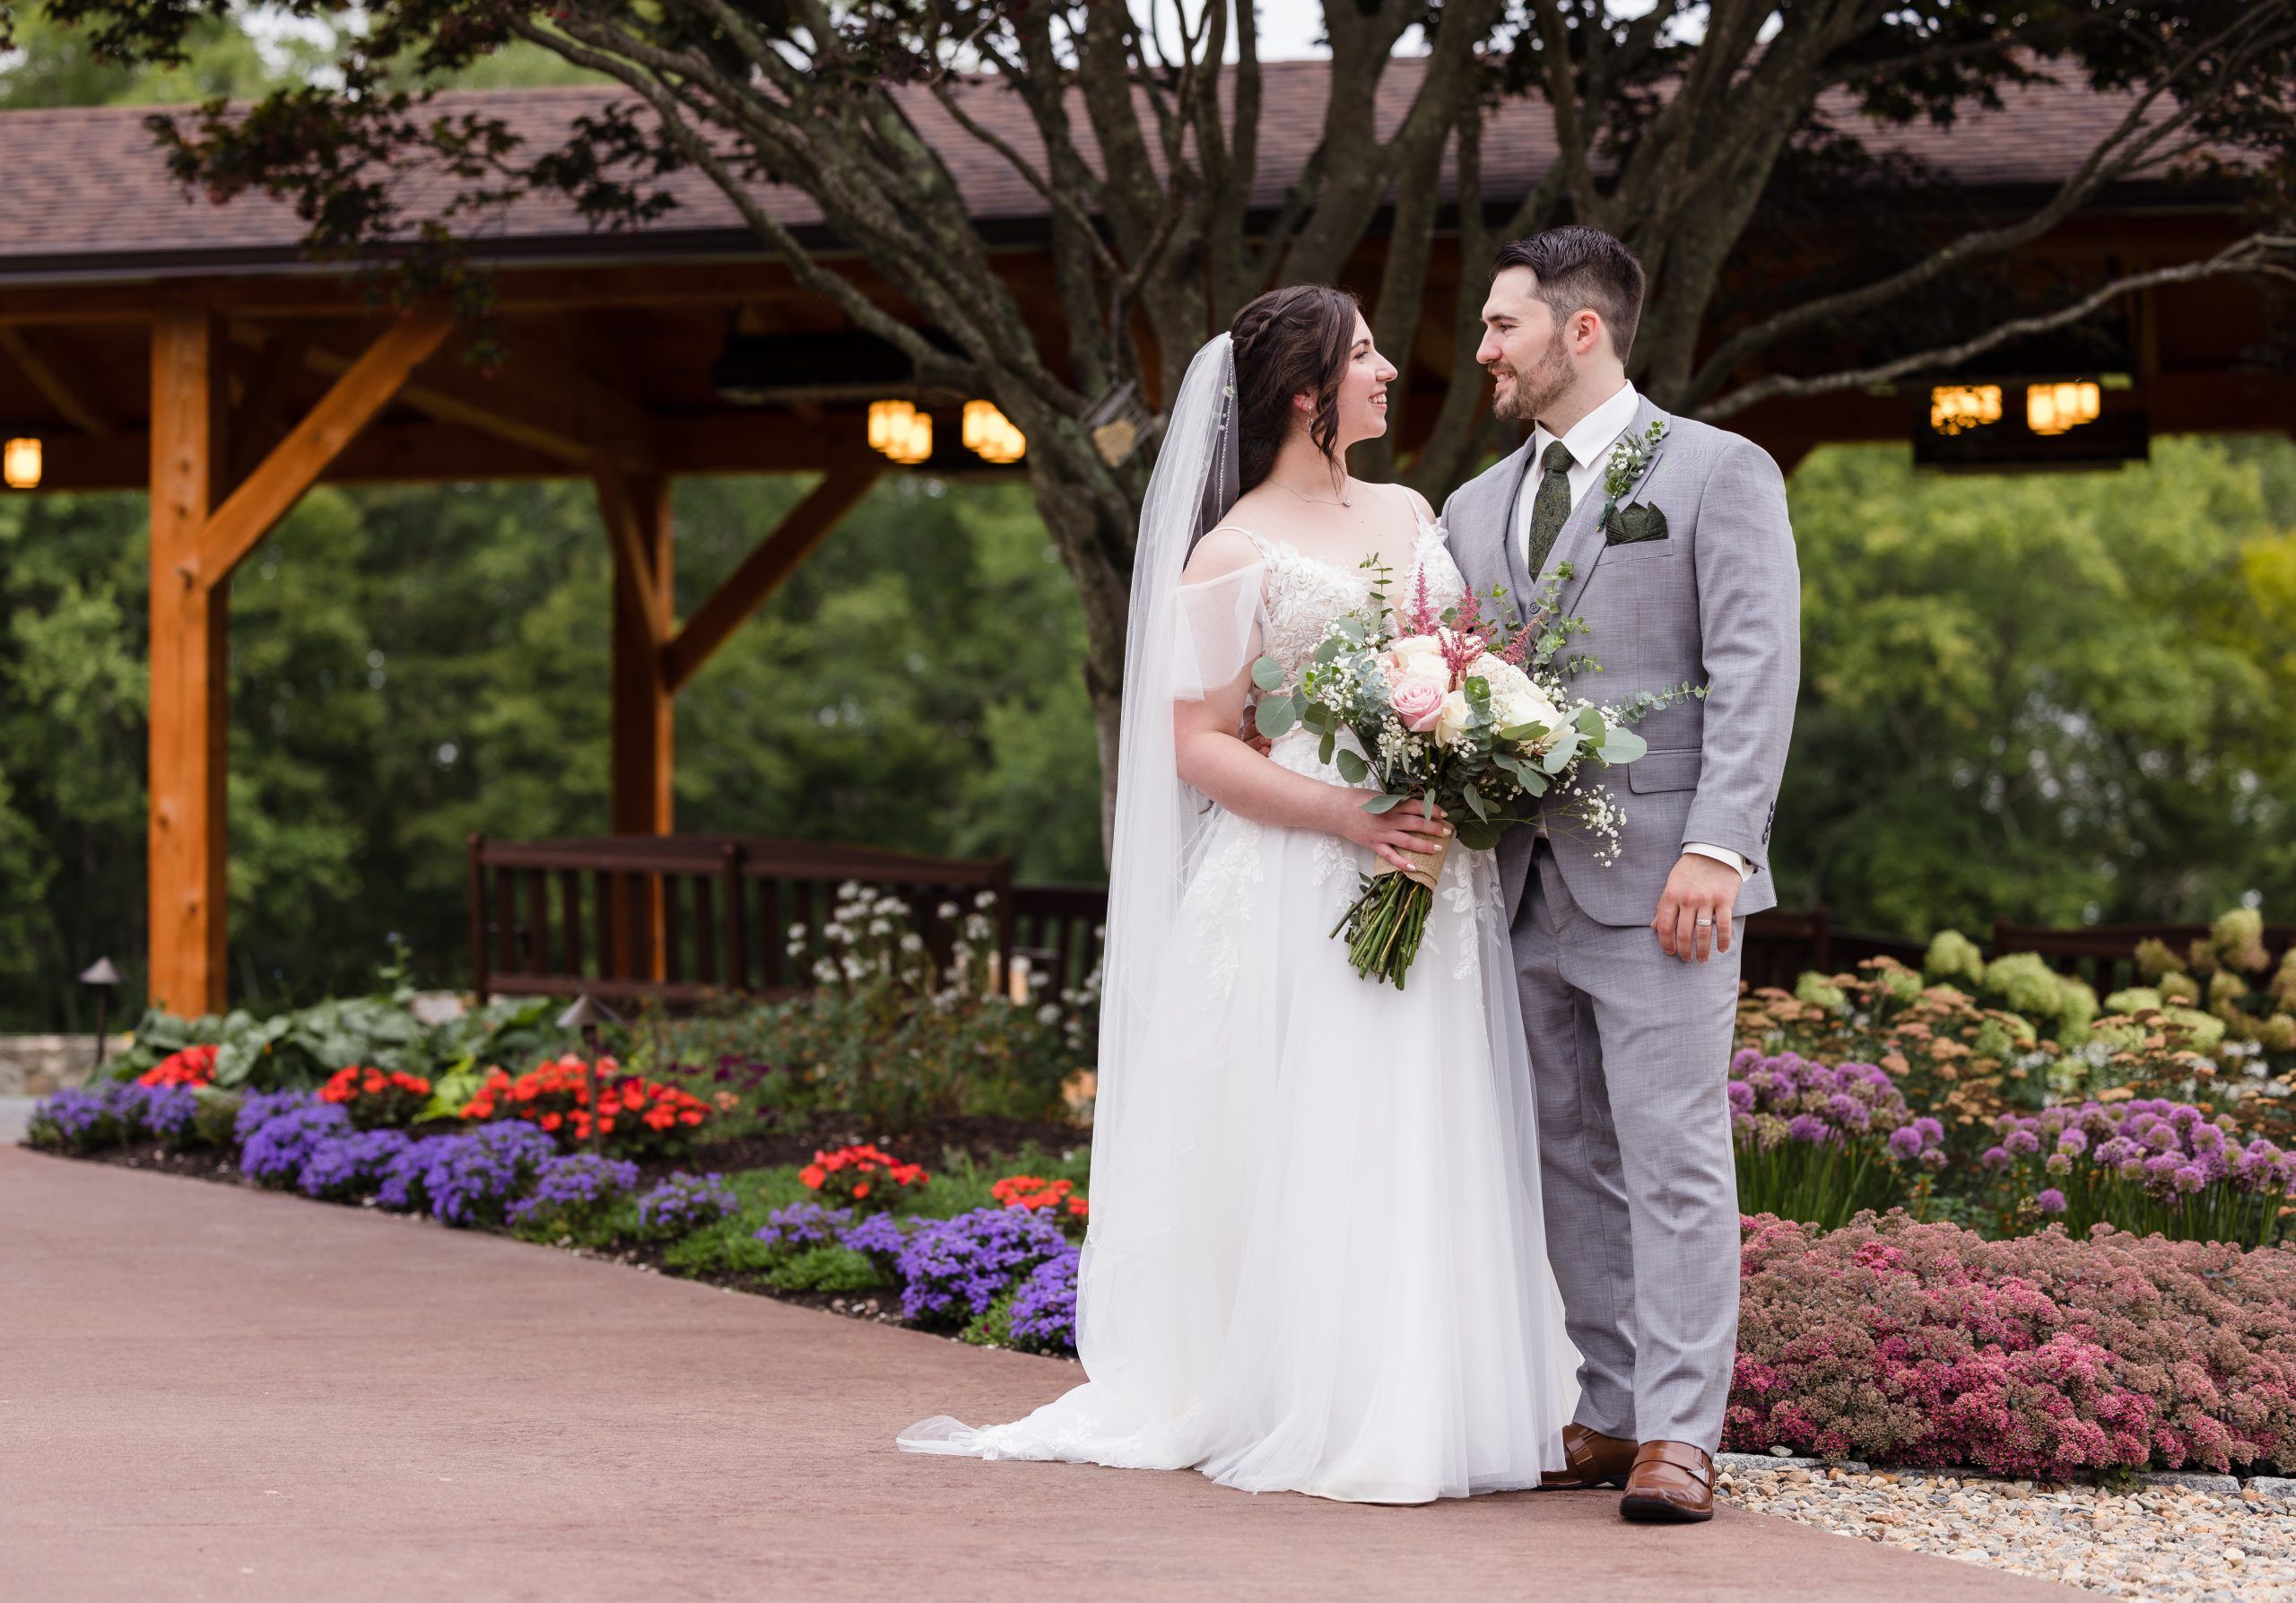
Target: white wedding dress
1317	1260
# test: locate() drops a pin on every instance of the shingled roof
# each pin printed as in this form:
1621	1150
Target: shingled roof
89	197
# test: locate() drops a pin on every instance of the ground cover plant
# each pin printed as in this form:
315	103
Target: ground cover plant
2042	1356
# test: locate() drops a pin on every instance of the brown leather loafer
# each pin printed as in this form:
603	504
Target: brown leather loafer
1592	1459
1671	1482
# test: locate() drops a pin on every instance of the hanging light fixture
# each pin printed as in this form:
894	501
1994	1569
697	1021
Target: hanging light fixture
990	435
1956	407
2054	408
899	430
20	463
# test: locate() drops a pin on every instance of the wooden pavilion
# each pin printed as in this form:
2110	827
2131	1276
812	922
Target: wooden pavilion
152	340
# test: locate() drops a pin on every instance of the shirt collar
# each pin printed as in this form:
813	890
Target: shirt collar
1594	433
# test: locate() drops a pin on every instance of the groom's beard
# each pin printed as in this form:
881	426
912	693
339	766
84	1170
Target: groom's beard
1537	390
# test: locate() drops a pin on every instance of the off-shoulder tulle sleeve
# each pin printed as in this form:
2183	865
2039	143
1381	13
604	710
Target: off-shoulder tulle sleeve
1216	631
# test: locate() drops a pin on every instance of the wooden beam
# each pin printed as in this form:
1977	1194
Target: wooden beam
188	839
55	375
762	571
635	514
291	468
537	401
262	418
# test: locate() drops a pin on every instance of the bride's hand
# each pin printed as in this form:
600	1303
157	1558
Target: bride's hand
1389	835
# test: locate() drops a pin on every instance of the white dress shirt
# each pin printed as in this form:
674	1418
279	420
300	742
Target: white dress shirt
1589	442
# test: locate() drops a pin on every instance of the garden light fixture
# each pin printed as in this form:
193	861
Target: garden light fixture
586	1015
103	977
990	435
20	463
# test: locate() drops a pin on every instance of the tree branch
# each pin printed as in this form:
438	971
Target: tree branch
2254	255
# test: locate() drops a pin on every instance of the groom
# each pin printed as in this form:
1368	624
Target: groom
1681	563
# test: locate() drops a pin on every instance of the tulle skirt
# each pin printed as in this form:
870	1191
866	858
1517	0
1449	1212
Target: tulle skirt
1317	1261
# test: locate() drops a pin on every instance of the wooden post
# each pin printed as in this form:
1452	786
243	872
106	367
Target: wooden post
187	839
198	536
636	508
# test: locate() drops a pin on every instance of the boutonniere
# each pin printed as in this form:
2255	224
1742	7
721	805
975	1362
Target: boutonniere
1630	459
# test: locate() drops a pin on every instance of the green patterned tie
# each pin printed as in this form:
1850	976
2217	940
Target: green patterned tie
1551	509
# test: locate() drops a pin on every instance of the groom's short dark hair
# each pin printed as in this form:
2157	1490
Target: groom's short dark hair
1579	267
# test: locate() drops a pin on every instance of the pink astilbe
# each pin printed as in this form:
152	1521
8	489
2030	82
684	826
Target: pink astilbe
1419	617
2038	1356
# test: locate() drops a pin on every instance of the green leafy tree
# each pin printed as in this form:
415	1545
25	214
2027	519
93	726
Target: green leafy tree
2052	699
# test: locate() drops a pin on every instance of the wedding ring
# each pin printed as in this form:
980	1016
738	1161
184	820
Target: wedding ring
1703	923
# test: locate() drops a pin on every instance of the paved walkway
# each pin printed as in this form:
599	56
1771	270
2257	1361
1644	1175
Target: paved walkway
212	1393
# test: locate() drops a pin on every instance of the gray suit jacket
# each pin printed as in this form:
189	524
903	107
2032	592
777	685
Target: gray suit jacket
1718	602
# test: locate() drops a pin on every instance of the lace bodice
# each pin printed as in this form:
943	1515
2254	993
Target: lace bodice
1305	594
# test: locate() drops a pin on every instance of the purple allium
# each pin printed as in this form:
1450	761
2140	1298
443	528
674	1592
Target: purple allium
2051	1201
573	1185
952	1269
1905	1142
1996	1157
2022	1143
1808	1127
684	1203
1044	1309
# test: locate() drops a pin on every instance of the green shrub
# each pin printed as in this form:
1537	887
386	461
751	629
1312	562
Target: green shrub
824	1269
1954	958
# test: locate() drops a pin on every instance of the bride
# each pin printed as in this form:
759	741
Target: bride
1316	1261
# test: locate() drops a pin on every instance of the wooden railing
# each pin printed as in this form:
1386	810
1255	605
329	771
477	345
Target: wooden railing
684	917
2105	954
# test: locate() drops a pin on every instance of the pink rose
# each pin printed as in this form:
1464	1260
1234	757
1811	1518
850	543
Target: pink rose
1419	703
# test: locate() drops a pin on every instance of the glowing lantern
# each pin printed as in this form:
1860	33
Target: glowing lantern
20	464
2053	408
990	435
899	430
1956	407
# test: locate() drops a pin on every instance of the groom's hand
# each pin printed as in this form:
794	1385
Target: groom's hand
1700	888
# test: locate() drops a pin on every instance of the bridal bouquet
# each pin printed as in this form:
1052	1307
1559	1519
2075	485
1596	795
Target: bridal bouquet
1462	709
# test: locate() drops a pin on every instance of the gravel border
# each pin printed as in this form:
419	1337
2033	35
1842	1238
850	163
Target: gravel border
2184	1534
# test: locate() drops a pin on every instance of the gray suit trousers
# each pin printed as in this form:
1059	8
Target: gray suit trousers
1629	1053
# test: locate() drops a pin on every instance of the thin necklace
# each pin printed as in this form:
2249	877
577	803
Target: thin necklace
1343	501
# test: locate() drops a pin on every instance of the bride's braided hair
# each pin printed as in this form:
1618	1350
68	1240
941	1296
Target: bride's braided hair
1287	341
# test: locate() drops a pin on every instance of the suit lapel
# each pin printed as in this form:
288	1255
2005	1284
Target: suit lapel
1581	543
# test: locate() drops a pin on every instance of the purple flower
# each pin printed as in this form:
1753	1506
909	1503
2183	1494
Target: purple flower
1996	1157
1742	1097
275	1150
2051	1201
685	1203
262	1106
342	1167
1808	1127
876	1236
1044	1309
2189	1179
1905	1142
803	1225
2073	1142
466	1179
2022	1143
952	1269
572	1186
75	1121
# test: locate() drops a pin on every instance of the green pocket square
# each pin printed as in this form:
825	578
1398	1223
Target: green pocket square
1632	525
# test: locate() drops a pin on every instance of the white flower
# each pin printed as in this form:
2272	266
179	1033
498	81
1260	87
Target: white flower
1049	1014
849	890
1451	725
854	968
880	927
986	899
825	971
796	948
796	932
947	909
912	942
1416	656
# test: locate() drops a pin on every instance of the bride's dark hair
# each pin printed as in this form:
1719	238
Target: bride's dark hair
1288	341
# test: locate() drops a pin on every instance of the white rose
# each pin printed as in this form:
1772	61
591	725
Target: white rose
1452	724
1526	705
1416	657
